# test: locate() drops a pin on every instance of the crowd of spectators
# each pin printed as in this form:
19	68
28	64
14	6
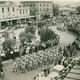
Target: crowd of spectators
48	57
35	60
71	22
68	65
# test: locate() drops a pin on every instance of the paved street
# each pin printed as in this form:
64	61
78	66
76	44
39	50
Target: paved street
65	38
63	17
17	32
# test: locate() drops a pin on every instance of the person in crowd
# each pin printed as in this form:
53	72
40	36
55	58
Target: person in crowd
42	57
42	73
45	72
1	70
55	78
34	78
37	77
12	55
15	67
60	50
65	63
78	63
8	55
23	67
2	56
64	51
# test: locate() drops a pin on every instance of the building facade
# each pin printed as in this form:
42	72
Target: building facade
38	8
12	14
69	9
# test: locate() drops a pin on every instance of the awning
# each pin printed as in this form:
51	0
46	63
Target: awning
58	67
44	78
15	18
53	75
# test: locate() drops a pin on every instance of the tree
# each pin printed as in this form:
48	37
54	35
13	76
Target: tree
55	10
30	29
29	23
8	44
5	34
22	34
41	24
23	39
29	36
46	16
26	36
47	34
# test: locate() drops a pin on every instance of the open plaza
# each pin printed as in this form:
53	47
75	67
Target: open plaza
39	40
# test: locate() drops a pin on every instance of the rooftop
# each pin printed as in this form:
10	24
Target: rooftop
36	1
3	2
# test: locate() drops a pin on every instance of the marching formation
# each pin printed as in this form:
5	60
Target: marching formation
35	60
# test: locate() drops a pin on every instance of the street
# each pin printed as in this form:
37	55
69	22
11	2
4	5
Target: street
37	35
65	39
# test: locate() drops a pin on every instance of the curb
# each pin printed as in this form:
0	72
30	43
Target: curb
6	61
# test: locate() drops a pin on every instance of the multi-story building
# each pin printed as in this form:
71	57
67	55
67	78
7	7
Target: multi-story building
11	14
38	8
70	9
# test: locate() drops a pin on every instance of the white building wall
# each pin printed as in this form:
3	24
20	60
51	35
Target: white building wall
14	14
24	11
45	8
0	12
7	14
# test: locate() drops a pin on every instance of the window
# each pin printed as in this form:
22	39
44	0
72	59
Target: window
34	5
20	11
8	9
26	5
13	9
2	10
23	5
26	11
40	5
30	5
23	11
3	15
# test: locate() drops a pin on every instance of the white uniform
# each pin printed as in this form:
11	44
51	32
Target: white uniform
15	67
